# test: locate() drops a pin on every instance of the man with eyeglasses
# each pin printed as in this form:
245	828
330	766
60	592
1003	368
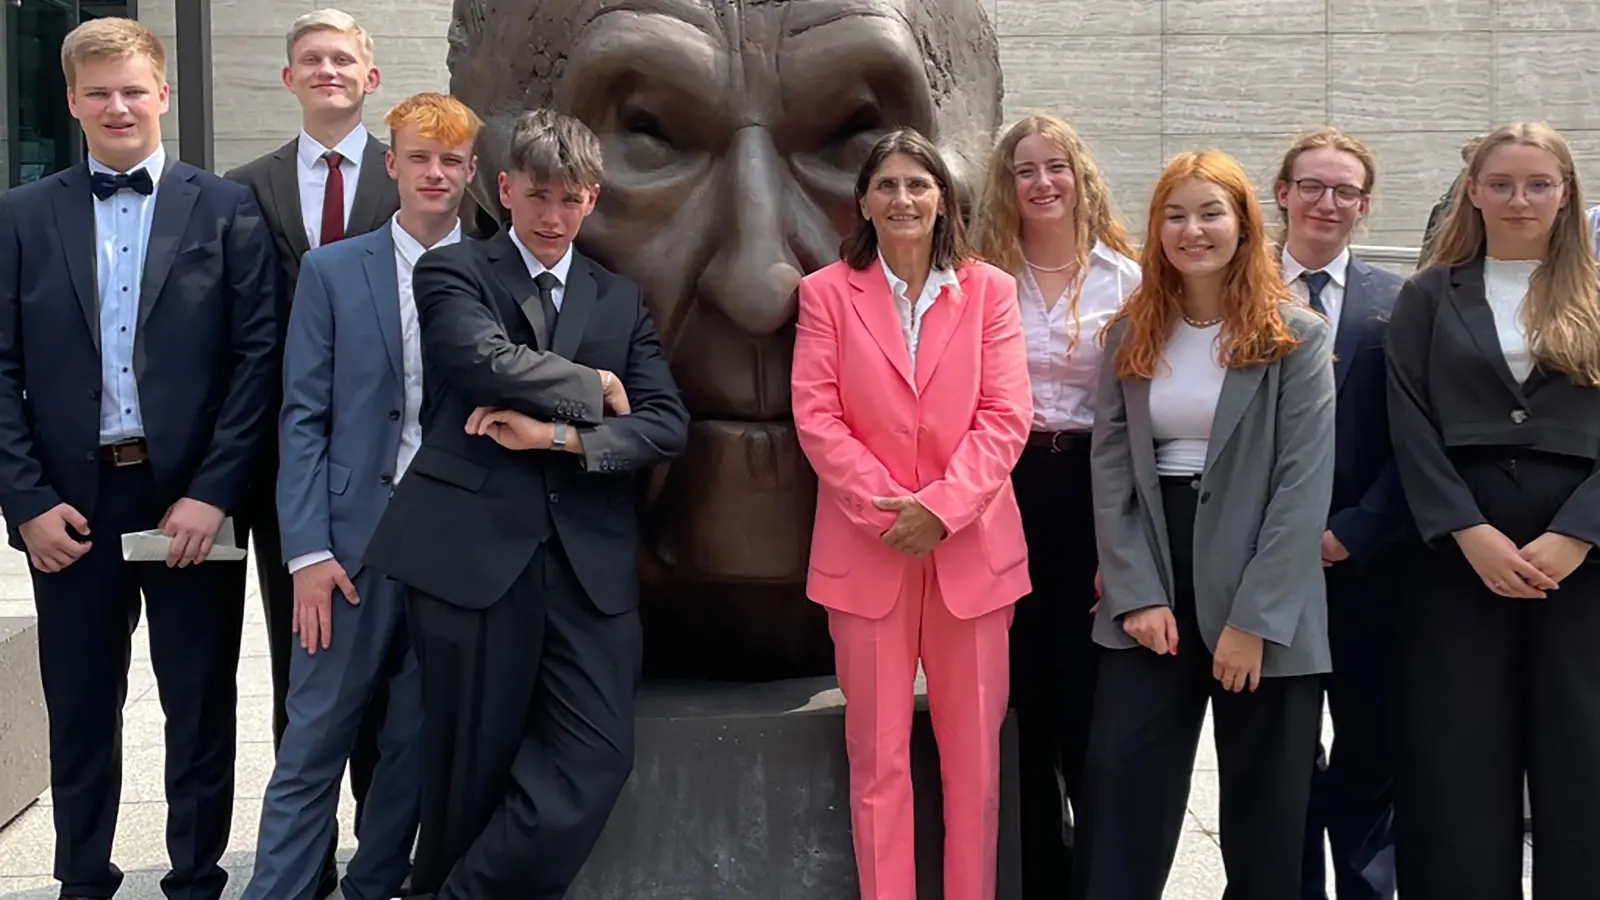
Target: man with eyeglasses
1324	192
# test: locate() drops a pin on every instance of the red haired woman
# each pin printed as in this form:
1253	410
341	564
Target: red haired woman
1213	470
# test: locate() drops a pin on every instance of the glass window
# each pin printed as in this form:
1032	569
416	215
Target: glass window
46	138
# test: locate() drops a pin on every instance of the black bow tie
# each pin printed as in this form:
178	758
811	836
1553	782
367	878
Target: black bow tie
104	184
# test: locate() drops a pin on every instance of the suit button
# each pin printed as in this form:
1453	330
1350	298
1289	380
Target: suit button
89	456
386	478
94	394
1205	496
554	497
1519	416
394	415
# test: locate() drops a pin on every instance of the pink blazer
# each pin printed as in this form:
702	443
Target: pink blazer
950	437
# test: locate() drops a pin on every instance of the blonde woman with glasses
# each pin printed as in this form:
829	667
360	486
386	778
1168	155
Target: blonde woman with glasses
1046	217
1494	356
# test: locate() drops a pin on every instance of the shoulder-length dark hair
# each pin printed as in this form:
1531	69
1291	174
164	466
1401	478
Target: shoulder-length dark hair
950	249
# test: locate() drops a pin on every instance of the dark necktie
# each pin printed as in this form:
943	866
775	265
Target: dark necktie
547	283
1315	282
104	184
333	201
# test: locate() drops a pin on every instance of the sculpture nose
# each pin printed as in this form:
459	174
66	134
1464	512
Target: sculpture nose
753	275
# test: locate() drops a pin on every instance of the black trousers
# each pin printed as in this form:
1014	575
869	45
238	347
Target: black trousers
87	616
1352	791
277	601
1494	688
1148	714
1052	655
529	734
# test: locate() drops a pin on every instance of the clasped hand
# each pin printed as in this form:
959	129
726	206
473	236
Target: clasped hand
511	429
1236	664
916	531
1527	572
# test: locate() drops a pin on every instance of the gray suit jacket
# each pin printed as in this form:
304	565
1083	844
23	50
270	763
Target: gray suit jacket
343	400
1264	500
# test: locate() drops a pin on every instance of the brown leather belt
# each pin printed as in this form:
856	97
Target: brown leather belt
1059	441
125	453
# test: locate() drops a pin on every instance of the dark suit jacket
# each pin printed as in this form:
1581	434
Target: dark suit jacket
1368	513
202	353
469	515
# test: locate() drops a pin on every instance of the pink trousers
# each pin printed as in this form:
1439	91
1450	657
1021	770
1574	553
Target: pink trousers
966	665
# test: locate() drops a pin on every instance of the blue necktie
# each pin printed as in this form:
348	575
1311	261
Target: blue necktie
1315	282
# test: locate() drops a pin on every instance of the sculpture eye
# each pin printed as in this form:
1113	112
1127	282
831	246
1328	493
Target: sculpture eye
862	120
645	145
852	139
643	124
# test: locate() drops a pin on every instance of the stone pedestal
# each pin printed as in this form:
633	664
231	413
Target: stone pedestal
741	792
24	729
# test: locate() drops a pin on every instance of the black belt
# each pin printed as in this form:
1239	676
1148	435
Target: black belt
1059	441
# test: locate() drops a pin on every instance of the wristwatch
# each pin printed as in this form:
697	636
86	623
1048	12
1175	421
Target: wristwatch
558	440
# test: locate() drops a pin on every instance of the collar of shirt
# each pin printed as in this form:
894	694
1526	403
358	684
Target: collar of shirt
411	249
352	148
1292	269
937	280
155	164
559	270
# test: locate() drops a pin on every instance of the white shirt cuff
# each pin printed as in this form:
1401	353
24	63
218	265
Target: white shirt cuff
309	559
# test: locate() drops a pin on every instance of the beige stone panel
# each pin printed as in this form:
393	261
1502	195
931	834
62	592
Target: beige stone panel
248	99
1129	163
408	65
1103	85
160	16
1246	16
1414	170
1547	15
1553	77
232	153
1260	154
1585	147
1035	18
396	18
1410	81
1243	85
252	18
1402	16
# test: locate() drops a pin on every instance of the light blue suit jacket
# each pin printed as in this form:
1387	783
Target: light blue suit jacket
343	399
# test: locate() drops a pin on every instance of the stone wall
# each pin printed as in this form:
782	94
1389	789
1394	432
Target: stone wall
1142	79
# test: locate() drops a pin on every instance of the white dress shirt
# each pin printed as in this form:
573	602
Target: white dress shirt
1064	383
122	224
911	313
560	270
1332	295
407	250
312	171
1505	286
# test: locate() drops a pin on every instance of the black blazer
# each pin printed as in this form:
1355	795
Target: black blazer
205	336
468	516
1450	387
1368	514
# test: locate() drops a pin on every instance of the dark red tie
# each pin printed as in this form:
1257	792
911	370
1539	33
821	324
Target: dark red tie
333	201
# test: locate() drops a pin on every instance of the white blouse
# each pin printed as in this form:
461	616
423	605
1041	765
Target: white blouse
1183	399
1505	286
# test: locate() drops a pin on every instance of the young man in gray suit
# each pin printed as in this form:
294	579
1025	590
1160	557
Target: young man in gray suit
348	432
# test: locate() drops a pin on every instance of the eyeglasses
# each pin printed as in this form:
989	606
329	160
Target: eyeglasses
1344	195
1535	188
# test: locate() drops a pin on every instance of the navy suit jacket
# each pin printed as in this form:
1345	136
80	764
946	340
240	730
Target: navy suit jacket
202	351
1368	513
343	399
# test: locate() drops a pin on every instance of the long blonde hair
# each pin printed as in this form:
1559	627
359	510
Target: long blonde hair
998	232
1562	311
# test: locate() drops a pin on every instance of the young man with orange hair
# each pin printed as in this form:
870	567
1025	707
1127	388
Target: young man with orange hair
348	431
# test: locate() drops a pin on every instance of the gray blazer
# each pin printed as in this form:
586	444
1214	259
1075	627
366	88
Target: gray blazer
1264	499
343	399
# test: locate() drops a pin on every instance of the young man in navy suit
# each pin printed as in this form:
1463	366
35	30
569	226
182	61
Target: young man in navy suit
349	429
136	330
1324	190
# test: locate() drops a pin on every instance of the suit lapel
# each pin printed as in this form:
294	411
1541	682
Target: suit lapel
1238	389
174	204
366	211
283	185
1468	299
75	229
938	326
514	277
577	301
383	284
1353	319
874	304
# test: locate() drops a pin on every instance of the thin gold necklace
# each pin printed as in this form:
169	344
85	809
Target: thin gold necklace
1038	268
1193	323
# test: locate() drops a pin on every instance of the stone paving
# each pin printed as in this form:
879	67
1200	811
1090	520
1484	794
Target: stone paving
26	843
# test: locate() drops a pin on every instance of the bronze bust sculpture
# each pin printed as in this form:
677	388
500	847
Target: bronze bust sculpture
733	130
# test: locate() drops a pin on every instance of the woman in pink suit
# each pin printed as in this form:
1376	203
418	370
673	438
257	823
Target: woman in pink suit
912	403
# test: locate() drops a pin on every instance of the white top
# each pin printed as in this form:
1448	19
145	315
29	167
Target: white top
560	270
1332	295
911	313
1064	383
1505	286
312	174
1183	399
